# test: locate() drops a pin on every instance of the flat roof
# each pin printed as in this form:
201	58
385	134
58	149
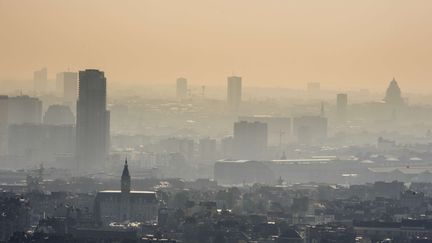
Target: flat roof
135	192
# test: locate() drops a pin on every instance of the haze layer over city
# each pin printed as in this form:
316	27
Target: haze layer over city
226	121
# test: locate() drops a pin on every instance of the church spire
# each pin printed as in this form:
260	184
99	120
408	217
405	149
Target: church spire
125	179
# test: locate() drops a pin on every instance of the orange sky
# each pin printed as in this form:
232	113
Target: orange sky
342	44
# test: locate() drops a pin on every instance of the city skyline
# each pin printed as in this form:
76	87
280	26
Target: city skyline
281	43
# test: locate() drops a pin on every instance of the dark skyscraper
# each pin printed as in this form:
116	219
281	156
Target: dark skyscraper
92	121
234	94
341	106
181	88
393	95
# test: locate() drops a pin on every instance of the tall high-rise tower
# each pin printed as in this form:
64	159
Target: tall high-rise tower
68	82
234	93
92	121
40	79
393	94
181	88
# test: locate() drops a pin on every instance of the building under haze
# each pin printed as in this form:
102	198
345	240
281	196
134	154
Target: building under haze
181	146
40	79
59	115
250	140
393	95
207	149
341	106
234	93
3	123
24	109
126	205
92	127
69	88
181	88
278	128
310	129
34	143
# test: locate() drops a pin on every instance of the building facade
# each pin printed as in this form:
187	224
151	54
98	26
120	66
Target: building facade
93	126
126	205
234	93
250	140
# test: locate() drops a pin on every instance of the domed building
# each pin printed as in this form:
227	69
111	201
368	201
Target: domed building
393	94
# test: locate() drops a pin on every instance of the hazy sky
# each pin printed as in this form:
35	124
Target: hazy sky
343	44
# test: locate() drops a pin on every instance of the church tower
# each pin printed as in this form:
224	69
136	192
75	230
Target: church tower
125	179
125	193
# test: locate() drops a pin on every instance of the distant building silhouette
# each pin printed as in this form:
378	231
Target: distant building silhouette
341	106
207	150
68	85
33	143
92	121
393	95
125	204
250	140
40	79
182	146
234	93
310	129
278	128
227	147
59	115
182	88
24	109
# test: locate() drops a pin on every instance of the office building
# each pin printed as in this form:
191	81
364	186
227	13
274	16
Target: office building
234	93
341	107
40	79
278	128
207	150
250	140
92	125
33	143
68	84
227	147
24	109
181	88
